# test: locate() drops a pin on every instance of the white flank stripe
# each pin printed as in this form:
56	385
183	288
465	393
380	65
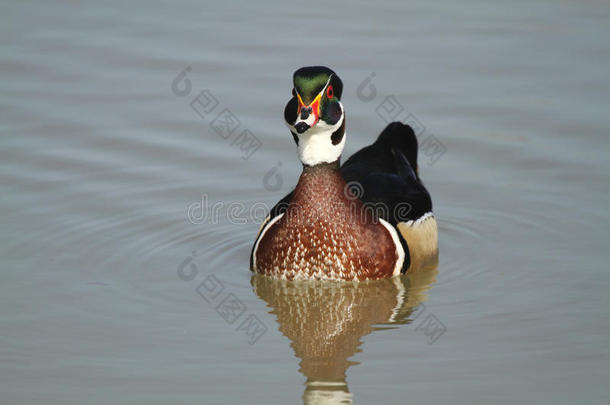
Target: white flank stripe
399	249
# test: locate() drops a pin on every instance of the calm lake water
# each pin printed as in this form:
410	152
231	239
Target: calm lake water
127	216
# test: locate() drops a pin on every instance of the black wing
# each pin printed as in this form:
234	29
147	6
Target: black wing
387	173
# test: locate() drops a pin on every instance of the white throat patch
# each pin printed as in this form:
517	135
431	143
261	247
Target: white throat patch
315	145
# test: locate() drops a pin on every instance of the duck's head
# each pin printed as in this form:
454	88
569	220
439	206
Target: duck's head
315	115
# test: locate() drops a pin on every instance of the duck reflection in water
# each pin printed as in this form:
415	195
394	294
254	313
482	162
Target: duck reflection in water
326	321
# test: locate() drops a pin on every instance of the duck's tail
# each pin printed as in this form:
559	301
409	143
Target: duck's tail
400	136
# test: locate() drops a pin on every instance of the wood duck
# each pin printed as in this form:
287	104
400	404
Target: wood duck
367	219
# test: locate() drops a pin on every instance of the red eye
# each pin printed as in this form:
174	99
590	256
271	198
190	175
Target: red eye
329	91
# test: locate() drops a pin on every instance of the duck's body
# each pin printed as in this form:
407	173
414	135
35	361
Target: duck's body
370	218
326	234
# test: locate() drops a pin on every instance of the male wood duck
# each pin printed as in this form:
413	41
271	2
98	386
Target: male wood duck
367	219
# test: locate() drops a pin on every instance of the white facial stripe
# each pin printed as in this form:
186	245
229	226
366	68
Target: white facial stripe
310	120
321	93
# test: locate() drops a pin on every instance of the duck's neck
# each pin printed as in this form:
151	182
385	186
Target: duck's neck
321	190
322	167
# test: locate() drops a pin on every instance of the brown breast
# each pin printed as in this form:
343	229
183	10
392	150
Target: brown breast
326	233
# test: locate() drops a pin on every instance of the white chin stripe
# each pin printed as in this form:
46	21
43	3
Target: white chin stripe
309	121
315	145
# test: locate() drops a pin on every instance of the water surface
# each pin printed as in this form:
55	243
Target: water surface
110	293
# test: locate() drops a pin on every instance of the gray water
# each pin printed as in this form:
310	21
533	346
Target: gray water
121	284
